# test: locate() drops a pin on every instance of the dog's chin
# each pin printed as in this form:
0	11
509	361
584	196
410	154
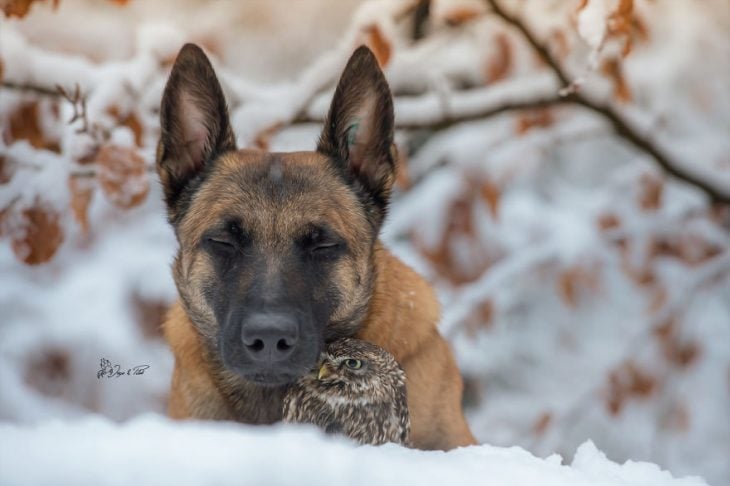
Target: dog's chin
270	380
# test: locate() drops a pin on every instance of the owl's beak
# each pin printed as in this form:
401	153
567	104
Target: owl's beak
324	371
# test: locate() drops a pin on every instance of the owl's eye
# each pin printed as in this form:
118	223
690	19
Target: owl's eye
353	364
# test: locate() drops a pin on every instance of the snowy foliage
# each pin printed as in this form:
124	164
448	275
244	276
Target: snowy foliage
585	291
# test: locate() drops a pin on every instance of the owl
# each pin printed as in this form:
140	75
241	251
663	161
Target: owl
358	390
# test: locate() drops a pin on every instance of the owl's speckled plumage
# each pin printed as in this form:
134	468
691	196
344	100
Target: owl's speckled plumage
368	404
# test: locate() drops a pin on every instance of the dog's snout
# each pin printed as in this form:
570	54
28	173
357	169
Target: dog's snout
268	338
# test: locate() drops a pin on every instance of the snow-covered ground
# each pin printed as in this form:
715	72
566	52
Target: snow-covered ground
586	295
151	450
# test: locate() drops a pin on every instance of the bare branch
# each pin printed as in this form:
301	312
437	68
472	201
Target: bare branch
449	121
620	124
39	90
488	112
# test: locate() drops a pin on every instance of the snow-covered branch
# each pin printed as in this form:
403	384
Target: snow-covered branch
622	126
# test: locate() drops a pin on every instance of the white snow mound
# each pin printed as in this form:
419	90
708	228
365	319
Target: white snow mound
154	450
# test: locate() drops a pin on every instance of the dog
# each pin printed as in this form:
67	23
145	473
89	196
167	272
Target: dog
279	254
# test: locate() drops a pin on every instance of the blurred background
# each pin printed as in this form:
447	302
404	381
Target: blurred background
564	183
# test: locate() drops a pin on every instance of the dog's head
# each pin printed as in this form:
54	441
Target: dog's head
276	249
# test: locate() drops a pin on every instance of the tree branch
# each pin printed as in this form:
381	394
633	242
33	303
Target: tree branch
39	90
449	121
620	124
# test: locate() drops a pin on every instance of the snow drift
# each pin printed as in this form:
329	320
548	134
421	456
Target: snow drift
153	450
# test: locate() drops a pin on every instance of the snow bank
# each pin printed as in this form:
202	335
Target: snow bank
153	450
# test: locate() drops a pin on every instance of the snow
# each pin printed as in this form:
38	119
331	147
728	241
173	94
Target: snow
592	22
152	450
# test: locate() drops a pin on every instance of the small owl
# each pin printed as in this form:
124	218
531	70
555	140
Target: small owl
359	390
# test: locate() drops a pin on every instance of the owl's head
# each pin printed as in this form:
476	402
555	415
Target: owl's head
354	366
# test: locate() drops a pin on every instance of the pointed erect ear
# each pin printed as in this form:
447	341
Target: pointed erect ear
358	132
195	127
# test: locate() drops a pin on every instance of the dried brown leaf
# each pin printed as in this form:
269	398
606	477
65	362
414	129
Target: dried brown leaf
641	31
613	70
262	141
690	248
542	423
129	120
122	175
49	372
461	14
568	283
643	274
677	418
499	66
658	299
536	119
491	194
24	124
402	178
560	41
150	314
39	235
608	221
4	172
626	382
19	8
651	188
449	259
82	190
482	317
621	23
576	280
379	44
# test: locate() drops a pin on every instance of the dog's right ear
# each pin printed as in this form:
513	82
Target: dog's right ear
194	123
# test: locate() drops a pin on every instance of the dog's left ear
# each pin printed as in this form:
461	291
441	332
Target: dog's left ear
358	132
194	124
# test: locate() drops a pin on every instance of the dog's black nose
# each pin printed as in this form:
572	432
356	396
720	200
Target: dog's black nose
269	337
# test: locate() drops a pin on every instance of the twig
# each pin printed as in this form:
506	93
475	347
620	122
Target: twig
621	125
420	19
78	103
39	90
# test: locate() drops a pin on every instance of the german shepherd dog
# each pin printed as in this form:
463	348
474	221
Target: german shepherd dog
279	254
